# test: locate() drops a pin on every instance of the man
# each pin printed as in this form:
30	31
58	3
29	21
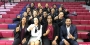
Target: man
68	33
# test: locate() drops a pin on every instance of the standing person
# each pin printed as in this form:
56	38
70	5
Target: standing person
36	32
20	33
68	33
50	32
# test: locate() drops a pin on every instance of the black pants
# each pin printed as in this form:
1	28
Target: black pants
46	41
18	41
72	42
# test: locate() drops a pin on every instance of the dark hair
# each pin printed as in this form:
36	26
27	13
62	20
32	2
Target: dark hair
33	3
38	23
68	18
51	17
21	22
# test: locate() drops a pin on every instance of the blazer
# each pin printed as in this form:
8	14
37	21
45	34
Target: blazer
18	34
56	30
63	32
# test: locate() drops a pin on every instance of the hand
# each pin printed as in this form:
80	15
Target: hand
54	42
30	18
56	18
47	32
70	36
44	34
66	42
17	29
31	28
24	40
18	16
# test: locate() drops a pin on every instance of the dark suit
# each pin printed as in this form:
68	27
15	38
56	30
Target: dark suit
73	32
45	39
17	36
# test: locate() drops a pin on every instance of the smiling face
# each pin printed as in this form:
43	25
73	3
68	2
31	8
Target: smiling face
25	14
61	14
35	13
49	19
68	22
32	4
45	14
23	20
39	5
36	21
46	5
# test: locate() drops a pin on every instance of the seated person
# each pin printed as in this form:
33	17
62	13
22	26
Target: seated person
68	33
36	32
20	33
60	20
50	32
18	18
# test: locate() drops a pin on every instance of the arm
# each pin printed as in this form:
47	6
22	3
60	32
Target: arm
75	34
40	33
61	34
57	32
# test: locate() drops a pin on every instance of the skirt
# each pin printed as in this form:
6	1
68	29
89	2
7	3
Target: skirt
33	39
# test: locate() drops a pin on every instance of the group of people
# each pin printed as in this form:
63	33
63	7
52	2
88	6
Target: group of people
45	26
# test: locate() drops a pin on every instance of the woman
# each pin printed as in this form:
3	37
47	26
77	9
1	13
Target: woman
20	33
18	18
50	32
35	14
28	10
40	12
36	32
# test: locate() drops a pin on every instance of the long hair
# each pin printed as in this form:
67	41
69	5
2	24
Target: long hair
38	23
51	18
20	24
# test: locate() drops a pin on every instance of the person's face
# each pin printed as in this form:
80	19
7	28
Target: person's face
35	13
23	20
39	4
49	19
60	9
61	14
46	5
28	9
40	10
68	22
35	21
52	10
25	14
32	4
54	6
44	13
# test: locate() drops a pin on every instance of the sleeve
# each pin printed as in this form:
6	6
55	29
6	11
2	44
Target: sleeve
16	34
61	34
28	29
75	34
40	33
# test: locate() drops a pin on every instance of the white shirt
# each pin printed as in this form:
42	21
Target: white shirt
38	34
68	31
